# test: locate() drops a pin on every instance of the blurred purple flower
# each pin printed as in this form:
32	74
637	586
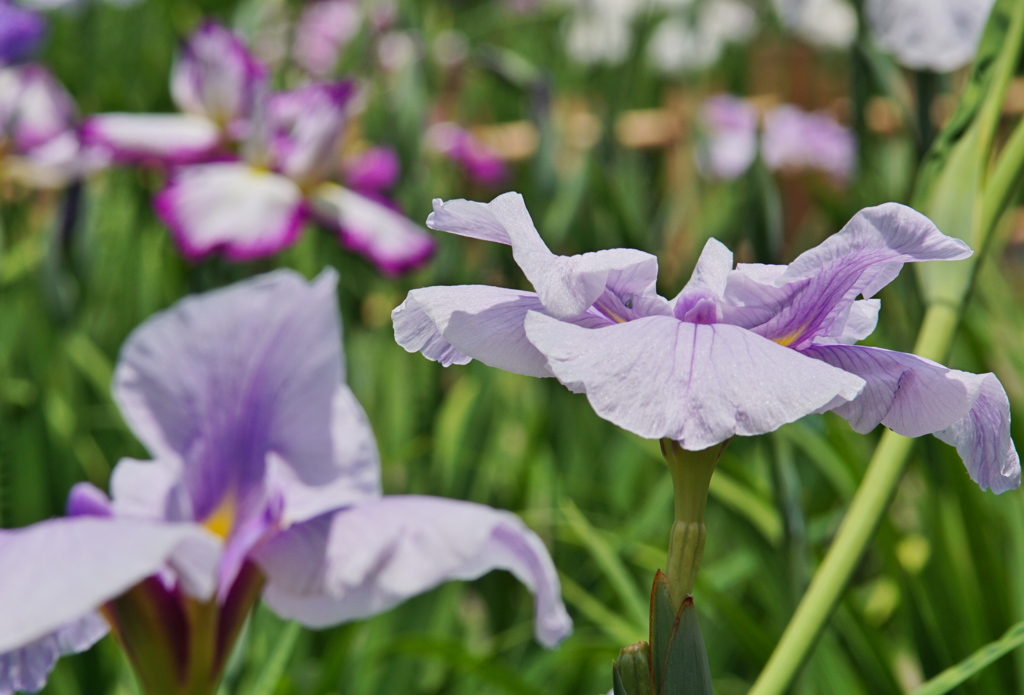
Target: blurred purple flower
373	170
265	479
216	83
479	162
323	29
729	146
256	207
21	32
738	351
796	139
39	143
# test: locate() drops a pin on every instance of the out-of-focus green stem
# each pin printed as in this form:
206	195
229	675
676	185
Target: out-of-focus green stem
865	512
1003	181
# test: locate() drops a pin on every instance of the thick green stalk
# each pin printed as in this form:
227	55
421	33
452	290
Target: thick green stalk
691	478
865	512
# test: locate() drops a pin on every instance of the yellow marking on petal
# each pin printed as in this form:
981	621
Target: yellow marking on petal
222	519
790	338
609	313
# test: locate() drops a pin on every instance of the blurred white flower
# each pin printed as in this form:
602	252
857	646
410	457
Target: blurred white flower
396	50
939	35
599	37
678	44
824	23
729	144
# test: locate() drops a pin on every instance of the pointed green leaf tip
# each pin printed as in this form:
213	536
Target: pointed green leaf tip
663	619
632	671
687	671
679	662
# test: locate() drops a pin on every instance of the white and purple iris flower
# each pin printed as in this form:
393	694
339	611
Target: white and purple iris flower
480	164
740	351
265	480
39	142
257	206
938	35
215	82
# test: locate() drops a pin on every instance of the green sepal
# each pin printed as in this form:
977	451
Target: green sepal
687	671
663	620
631	672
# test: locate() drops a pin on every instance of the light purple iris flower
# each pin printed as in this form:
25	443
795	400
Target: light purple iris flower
256	207
740	351
39	143
215	82
730	143
796	139
21	32
939	35
265	479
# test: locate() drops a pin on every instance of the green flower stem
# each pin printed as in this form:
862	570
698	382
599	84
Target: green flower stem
869	504
691	478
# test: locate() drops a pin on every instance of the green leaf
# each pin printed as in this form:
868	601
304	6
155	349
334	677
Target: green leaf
955	675
663	621
687	671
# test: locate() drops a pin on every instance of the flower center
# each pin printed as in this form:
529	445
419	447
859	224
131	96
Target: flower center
221	520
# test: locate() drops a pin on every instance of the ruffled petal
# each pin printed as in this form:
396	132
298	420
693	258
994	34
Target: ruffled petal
712	270
698	384
364	560
812	298
230	206
914	396
55	572
453	325
567	285
136	137
221	380
390	240
27	668
908	394
982	438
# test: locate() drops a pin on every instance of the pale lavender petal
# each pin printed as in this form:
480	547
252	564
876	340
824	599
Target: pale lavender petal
216	76
453	325
812	298
860	323
390	240
85	499
27	668
566	285
87	562
231	207
221	380
362	561
982	438
730	143
355	456
908	394
135	137
712	270
698	384
938	35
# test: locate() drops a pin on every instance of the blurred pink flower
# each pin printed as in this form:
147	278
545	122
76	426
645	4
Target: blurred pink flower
324	28
729	146
796	139
480	163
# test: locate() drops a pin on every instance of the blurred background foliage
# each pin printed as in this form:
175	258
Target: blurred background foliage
81	268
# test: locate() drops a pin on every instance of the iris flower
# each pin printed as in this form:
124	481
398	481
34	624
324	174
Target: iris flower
257	206
215	82
265	480
739	351
39	143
